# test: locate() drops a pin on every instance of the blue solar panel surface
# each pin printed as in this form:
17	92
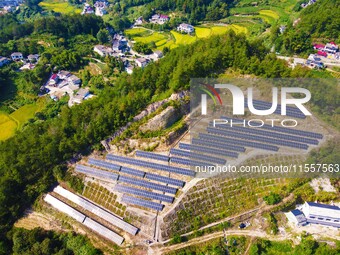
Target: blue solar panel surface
150	165
147	184
96	172
131	171
202	157
142	202
144	193
215	144
219	139
208	150
164	179
188	162
105	164
150	155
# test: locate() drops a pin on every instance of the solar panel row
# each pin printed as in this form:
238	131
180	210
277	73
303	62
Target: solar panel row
190	154
222	132
96	172
141	163
143	193
282	129
65	208
269	134
268	105
142	202
103	231
159	178
221	146
219	139
208	150
104	164
150	155
132	171
289	111
147	184
188	162
87	205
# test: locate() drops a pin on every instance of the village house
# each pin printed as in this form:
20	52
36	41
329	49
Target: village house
88	9
100	8
129	69
158	54
33	58
186	28
119	43
141	62
103	51
17	56
81	95
159	19
139	21
3	61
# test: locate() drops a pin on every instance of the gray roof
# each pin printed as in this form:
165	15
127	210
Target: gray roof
333	207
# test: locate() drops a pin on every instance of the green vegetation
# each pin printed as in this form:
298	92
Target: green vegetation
272	198
38	241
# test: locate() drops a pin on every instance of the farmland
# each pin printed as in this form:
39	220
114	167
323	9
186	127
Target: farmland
57	6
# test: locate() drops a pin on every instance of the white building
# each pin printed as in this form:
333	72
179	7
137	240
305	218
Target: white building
100	7
16	56
103	50
158	54
159	19
186	28
316	213
141	62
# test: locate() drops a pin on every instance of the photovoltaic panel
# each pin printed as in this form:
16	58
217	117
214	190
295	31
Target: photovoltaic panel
188	162
96	210
215	144
164	179
147	184
267	133
283	129
141	202
104	164
96	172
194	155
143	193
65	208
210	137
147	164
257	138
208	150
103	231
150	155
132	171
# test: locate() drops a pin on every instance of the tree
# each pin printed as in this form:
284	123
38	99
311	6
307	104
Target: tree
272	198
103	36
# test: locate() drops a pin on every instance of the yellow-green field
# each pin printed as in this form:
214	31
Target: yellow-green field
269	16
61	7
9	123
175	39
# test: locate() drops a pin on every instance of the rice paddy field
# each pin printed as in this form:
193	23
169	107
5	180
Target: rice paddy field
10	123
57	6
174	39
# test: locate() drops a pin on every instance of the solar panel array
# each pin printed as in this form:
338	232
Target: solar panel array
142	202
132	171
222	132
258	131
150	155
283	129
188	162
210	137
141	163
221	146
143	193
103	231
208	150
105	164
109	217
96	172
65	208
290	111
164	179
194	155
147	184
